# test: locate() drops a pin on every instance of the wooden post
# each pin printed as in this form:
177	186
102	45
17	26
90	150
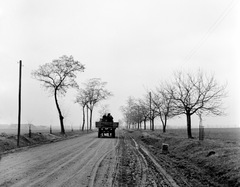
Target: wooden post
30	131
150	113
87	119
19	102
201	127
165	148
138	117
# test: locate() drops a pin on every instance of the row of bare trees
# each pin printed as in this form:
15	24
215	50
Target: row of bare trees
187	94
90	95
60	74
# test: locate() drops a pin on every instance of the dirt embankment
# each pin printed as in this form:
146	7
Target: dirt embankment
212	162
8	142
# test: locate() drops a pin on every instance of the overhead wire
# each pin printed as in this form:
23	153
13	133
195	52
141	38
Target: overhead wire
211	29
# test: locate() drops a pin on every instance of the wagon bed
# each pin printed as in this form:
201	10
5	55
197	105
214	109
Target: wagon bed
106	127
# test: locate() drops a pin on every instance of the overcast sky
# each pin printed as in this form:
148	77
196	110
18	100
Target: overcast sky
131	44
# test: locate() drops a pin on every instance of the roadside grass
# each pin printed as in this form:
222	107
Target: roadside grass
215	161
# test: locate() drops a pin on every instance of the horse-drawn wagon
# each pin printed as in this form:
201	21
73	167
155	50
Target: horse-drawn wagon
106	127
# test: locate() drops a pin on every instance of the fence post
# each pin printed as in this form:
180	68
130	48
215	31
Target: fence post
30	131
201	127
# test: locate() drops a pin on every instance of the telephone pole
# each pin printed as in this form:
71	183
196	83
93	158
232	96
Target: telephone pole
201	127
150	112
87	119
19	101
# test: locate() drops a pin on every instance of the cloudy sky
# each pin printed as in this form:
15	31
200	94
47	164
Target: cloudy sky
131	44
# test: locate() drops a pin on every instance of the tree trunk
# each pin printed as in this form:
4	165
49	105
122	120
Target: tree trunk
165	124
153	124
83	123
153	114
87	118
145	126
91	111
59	112
189	129
164	128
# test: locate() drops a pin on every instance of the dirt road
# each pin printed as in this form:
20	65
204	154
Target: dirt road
137	167
85	161
81	161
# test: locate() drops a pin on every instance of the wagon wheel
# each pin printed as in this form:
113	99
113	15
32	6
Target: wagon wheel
113	133
99	133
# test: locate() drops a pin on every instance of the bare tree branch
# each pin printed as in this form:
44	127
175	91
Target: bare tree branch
57	77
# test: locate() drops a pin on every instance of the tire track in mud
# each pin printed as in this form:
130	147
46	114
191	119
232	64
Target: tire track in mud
161	165
84	170
132	167
146	169
103	176
166	177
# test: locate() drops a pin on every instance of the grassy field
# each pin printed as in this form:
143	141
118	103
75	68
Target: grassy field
25	131
215	161
228	134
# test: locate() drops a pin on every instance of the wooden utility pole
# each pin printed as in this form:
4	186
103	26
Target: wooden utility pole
19	102
201	127
150	108
87	119
139	120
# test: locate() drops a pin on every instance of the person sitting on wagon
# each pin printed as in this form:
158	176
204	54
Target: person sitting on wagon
109	118
104	118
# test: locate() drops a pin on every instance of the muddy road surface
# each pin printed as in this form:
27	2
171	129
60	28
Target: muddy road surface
137	167
85	161
80	161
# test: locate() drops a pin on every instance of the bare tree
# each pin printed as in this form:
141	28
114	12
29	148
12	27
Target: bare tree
199	92
144	112
94	91
82	99
137	111
152	114
138	116
57	77
129	112
164	105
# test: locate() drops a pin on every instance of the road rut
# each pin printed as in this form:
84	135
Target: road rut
81	161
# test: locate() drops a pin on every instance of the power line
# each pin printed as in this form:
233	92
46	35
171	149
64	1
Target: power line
213	27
